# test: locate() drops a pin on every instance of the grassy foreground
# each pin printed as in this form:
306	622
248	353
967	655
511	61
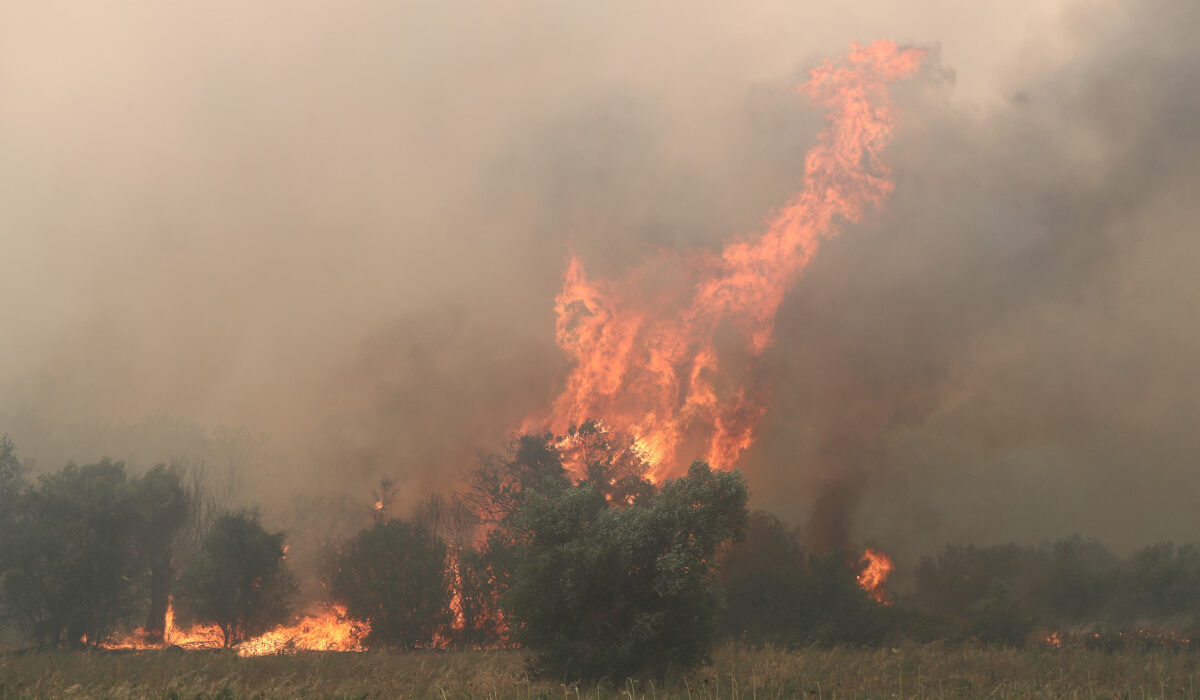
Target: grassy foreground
736	672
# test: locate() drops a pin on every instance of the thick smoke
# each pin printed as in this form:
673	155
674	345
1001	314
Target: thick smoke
340	232
1005	352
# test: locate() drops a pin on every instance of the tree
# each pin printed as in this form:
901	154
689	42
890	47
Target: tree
532	467
499	486
602	591
68	555
393	574
163	506
610	461
12	477
764	580
999	619
238	580
12	489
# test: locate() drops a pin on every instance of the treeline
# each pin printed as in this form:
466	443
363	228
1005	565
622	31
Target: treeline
601	575
609	575
1005	593
606	575
90	549
1009	595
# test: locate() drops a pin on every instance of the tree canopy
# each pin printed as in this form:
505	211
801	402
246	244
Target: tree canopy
393	575
605	591
238	580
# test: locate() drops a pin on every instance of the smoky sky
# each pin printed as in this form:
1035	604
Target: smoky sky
323	243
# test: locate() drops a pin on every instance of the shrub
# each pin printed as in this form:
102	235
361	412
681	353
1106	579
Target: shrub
393	574
238	580
606	591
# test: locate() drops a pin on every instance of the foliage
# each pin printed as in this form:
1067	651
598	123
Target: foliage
163	506
763	580
499	486
12	477
393	574
610	462
777	593
999	619
932	670
601	591
238	580
69	557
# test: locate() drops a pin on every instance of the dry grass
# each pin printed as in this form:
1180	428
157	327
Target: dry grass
736	672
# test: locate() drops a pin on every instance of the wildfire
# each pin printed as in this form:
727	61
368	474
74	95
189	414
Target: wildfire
331	630
194	637
877	566
647	362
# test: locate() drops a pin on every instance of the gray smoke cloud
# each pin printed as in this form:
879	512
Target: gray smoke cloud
339	231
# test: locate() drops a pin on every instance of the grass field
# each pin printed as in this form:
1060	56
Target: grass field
736	672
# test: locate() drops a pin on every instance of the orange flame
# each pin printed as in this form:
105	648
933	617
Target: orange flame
646	362
331	630
194	637
877	566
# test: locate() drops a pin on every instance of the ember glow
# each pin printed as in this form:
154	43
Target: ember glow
648	363
877	566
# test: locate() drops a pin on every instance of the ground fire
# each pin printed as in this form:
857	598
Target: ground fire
330	630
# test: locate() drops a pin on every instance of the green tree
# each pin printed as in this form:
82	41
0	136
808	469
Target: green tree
12	477
163	506
12	489
764	581
499	486
601	591
497	490
238	580
1000	619
69	556
393	574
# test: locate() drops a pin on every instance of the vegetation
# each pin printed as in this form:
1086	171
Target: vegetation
736	671
69	556
164	507
778	593
602	590
393	574
238	580
599	578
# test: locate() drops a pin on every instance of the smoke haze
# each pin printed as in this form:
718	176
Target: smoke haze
339	233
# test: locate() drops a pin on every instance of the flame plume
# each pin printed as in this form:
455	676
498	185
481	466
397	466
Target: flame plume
648	364
877	566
